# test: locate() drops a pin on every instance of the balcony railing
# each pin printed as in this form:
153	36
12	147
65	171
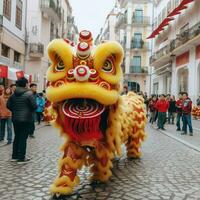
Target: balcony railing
36	50
185	36
51	8
160	53
121	20
138	69
139	44
141	20
180	40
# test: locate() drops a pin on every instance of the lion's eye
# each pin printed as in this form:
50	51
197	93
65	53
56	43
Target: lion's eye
108	66
60	66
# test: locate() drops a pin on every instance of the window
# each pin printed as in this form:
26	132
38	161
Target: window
16	56
155	88
5	51
136	65
137	42
18	19
138	16
7	9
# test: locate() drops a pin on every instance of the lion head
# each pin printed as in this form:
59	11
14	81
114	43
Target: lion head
84	83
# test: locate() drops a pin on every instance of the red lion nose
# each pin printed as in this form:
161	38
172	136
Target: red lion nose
82	73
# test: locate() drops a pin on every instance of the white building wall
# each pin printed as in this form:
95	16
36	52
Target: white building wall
191	15
10	24
34	21
13	37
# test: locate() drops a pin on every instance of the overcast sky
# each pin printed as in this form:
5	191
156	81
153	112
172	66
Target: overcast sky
91	14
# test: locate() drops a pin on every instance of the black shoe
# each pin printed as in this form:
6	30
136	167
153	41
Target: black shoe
24	161
191	133
1	140
163	129
178	129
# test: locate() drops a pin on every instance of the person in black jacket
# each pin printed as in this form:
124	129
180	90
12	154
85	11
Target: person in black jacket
172	109
22	104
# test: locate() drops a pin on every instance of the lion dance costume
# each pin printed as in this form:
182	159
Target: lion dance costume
84	86
196	112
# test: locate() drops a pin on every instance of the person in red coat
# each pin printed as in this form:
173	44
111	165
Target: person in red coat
162	106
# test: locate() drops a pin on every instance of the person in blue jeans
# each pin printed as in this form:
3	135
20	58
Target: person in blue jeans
40	107
5	116
187	109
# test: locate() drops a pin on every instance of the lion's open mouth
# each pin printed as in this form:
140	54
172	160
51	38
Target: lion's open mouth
85	119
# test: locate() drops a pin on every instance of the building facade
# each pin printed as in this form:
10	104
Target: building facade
46	20
108	30
176	51
133	25
12	33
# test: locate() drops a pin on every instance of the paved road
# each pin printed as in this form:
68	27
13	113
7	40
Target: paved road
193	142
168	170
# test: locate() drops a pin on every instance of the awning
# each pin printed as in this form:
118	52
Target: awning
169	18
12	73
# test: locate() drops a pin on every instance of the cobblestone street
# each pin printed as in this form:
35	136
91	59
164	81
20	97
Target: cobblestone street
167	170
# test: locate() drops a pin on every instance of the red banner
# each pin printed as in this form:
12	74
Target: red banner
19	74
3	71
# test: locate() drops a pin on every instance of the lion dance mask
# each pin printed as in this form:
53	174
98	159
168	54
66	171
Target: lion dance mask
84	84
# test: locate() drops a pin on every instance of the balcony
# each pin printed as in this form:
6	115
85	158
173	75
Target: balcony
181	43
140	21
50	8
36	50
165	51
138	70
70	20
121	21
186	36
140	45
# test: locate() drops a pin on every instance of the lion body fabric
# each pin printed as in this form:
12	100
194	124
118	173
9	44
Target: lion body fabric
87	108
